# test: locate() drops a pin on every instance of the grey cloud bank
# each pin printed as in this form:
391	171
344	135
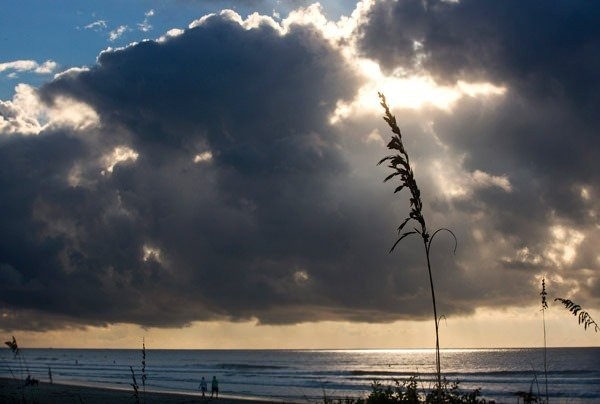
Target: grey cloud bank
233	197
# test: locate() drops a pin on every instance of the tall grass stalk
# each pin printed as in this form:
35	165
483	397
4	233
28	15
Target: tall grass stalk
543	294
400	164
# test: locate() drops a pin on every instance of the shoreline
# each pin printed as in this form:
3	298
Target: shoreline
14	391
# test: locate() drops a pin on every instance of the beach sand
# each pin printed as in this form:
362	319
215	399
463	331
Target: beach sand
14	391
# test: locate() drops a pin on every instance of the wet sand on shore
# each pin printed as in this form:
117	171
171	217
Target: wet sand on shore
14	391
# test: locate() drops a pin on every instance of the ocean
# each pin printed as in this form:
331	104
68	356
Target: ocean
307	376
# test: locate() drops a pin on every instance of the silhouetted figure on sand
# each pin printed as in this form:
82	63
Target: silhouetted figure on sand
203	386
215	387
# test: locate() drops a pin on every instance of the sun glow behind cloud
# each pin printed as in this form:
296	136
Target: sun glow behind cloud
118	155
410	92
563	249
203	157
403	90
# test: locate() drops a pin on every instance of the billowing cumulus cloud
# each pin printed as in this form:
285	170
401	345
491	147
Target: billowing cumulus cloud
228	172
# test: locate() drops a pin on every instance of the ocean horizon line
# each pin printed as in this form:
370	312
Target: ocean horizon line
451	349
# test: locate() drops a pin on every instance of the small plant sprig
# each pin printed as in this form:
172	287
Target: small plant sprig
400	164
13	346
583	317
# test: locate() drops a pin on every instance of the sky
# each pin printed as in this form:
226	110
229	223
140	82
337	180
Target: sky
203	174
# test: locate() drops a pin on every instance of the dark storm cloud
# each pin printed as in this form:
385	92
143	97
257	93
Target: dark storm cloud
270	227
535	44
542	134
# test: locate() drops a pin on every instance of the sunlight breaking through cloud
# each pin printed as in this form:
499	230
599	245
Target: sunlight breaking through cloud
409	92
301	277
203	157
563	248
118	155
455	183
151	253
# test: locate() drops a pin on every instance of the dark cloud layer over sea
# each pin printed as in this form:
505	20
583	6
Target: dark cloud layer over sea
214	185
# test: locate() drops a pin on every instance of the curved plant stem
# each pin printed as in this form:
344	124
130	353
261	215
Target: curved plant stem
438	366
545	355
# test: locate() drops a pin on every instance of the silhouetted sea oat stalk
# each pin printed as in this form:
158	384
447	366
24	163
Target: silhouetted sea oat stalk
543	294
135	386
583	317
400	164
144	376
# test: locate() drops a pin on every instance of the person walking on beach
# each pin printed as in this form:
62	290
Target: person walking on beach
203	386
215	387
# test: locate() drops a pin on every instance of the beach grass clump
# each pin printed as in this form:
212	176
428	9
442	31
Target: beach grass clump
408	391
404	391
399	163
